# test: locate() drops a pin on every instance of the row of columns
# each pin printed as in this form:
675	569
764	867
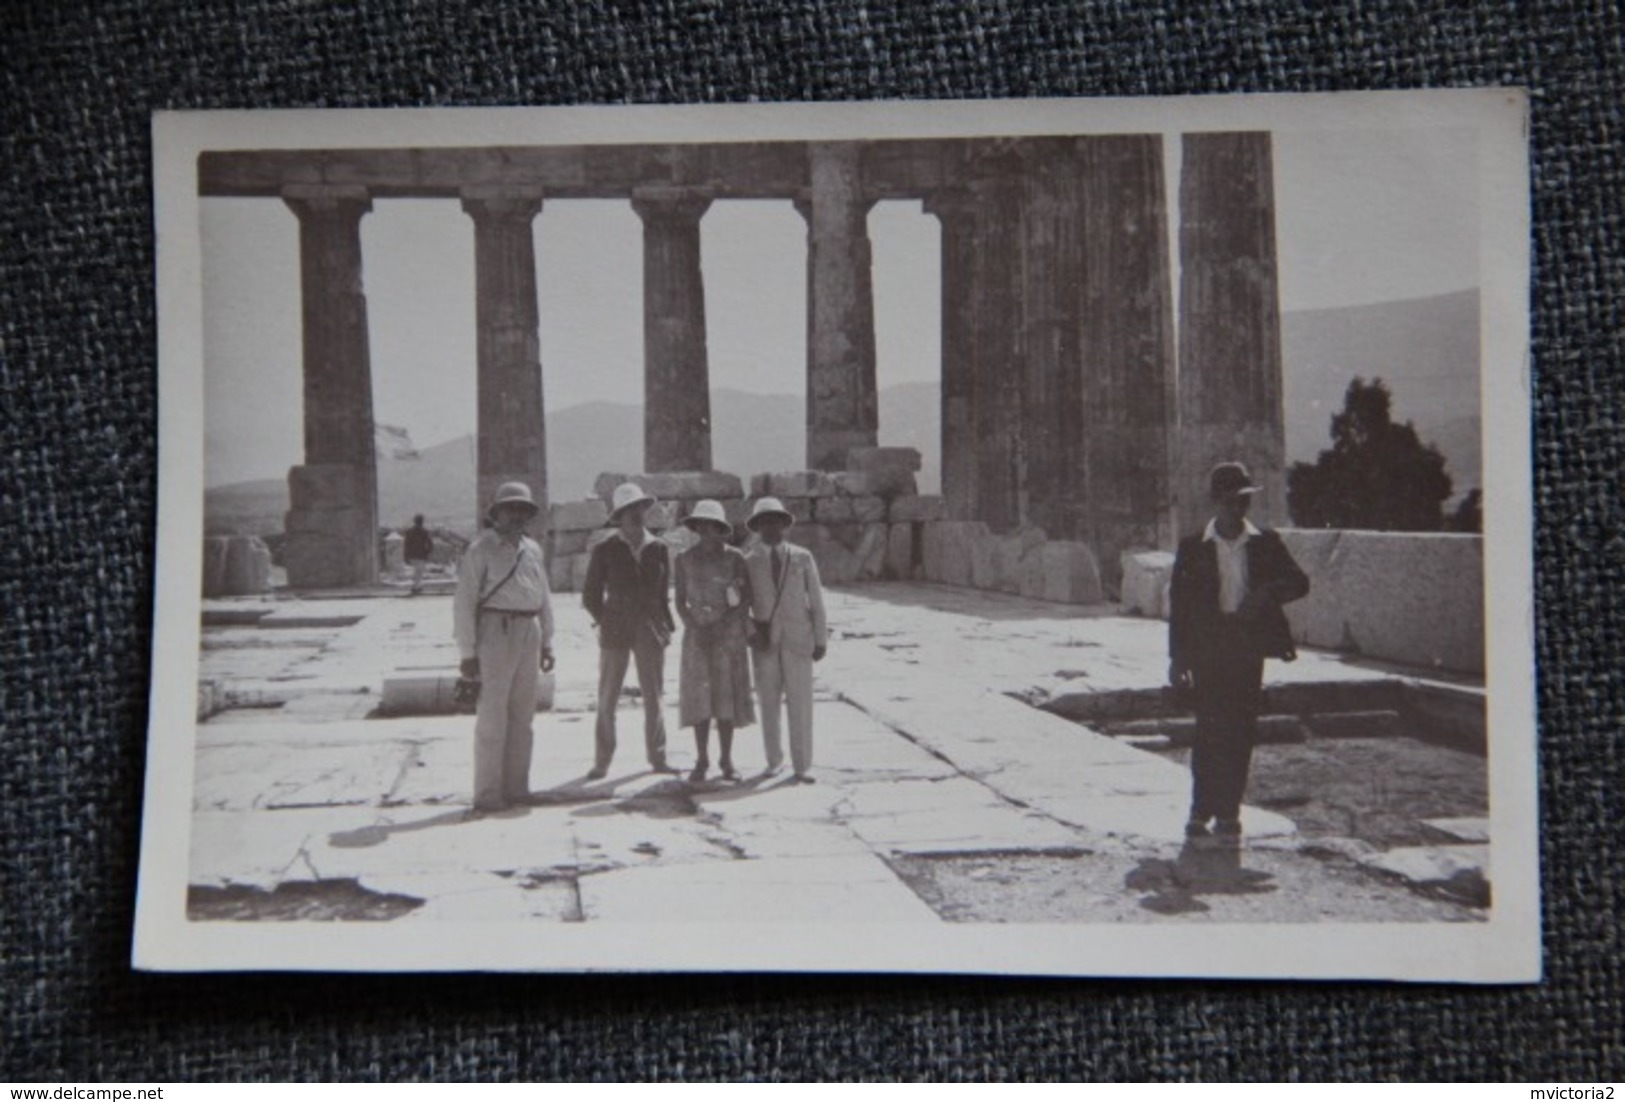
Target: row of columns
1061	403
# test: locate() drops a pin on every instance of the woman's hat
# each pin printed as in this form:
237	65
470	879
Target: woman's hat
513	493
768	507
626	495
707	512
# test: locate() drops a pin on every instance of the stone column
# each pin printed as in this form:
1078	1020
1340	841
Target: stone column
512	425
1128	347
332	525
995	317
1052	375
842	401
1230	330
676	373
954	208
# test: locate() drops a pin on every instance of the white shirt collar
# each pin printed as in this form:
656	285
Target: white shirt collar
1248	531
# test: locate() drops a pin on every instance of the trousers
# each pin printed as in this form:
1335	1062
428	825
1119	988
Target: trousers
509	649
650	658
1229	679
784	684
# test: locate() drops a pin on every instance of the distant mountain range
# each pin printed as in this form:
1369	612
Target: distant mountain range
1426	350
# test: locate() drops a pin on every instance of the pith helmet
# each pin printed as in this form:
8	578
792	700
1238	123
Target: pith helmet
707	512
768	507
626	495
513	493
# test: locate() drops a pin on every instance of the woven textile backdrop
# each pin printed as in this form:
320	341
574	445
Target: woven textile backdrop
77	482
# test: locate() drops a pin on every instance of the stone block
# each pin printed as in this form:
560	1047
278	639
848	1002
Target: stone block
318	486
870	552
884	483
799	507
837	564
787	484
759	485
235	566
1145	582
868	510
689	485
916	507
604	485
883	459
1062	571
569	542
559	573
1415	598
335	521
950	549
1000	564
319	558
833	510
899	552
578	572
577	516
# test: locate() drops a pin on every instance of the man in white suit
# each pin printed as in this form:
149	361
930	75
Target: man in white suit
788	634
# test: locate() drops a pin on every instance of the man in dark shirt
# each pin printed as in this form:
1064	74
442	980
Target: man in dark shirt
628	576
419	548
1225	618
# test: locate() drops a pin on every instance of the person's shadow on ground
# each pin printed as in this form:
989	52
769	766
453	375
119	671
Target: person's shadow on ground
1202	868
379	833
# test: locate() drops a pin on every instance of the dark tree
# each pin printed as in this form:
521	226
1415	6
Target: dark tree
1469	513
1376	475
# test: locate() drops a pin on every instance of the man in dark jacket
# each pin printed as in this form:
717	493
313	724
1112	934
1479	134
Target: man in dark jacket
628	577
1224	619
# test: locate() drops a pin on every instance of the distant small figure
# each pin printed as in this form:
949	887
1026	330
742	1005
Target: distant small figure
419	550
713	601
503	619
625	593
789	633
1225	618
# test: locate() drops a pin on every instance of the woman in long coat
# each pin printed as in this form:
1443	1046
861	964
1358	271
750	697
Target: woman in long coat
713	600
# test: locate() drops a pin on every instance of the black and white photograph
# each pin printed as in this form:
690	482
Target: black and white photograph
1082	537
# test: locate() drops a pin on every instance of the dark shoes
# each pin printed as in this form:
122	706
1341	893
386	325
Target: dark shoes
597	773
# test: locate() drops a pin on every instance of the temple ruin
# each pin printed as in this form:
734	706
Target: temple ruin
1067	402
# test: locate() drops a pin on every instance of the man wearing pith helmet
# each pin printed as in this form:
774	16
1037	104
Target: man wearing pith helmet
625	593
503	621
1225	618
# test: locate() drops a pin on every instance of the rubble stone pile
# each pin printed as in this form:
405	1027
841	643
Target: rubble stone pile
868	522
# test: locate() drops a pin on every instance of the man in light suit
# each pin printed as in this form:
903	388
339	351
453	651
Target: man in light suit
788	634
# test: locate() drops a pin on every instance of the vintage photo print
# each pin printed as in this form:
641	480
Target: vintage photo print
1053	537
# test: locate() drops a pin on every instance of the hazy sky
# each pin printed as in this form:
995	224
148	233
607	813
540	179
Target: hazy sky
1361	217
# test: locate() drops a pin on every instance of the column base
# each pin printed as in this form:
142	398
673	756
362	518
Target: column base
331	536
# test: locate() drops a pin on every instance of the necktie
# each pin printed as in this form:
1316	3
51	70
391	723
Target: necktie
778	567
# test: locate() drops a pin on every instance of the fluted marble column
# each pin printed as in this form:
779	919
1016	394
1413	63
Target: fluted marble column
1051	300
512	424
676	372
332	525
1230	325
842	398
1128	347
955	209
995	317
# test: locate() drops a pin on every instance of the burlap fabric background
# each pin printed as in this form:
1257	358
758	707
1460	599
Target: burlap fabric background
77	470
